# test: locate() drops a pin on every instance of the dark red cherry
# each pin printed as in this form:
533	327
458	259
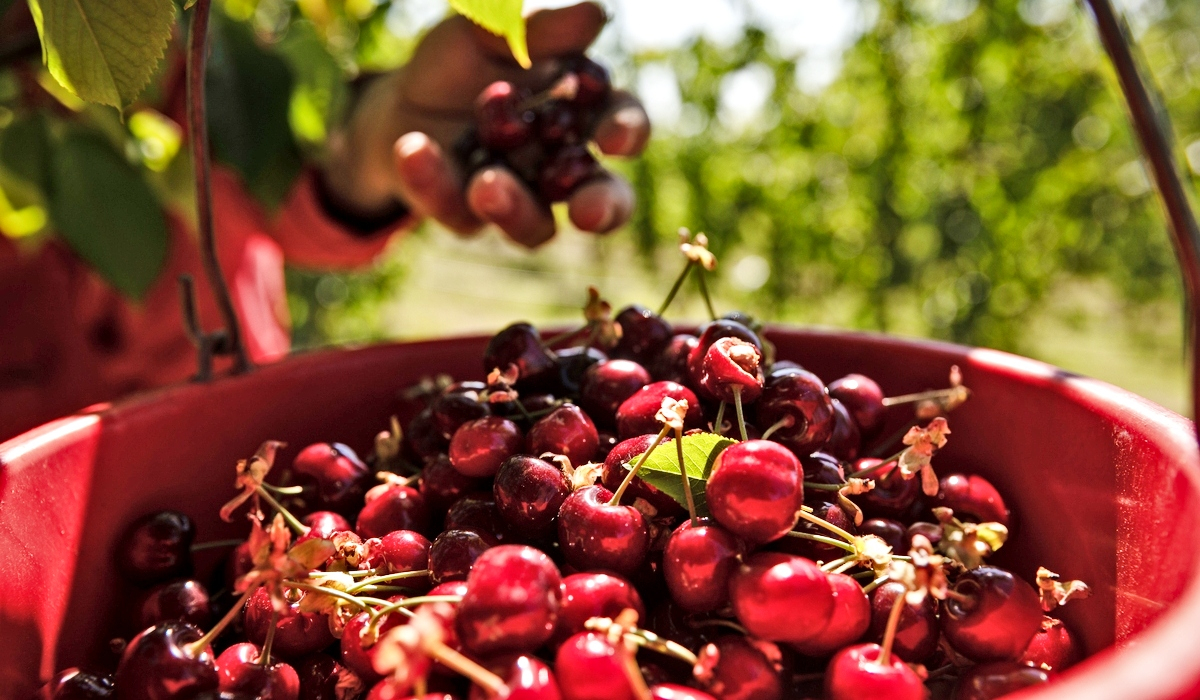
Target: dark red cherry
404	550
573	364
930	531
606	386
818	551
156	548
339	473
297	634
527	678
744	670
617	465
781	367
998	618
756	490
670	691
891	531
459	403
594	82
503	123
558	122
593	595
671	365
442	484
358	645
850	620
801	397
322	524
453	552
566	168
822	468
423	437
893	494
1053	647
594	535
589	667
157	664
479	448
185	600
781	598
863	399
972	497
566	431
478	512
844	441
513	596
709	334
391	507
698	562
239	671
917	632
855	673
520	345
636	414
997	679
74	684
732	365
319	677
529	492
644	335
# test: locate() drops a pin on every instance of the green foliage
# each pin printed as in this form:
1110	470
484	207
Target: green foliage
25	150
700	452
501	17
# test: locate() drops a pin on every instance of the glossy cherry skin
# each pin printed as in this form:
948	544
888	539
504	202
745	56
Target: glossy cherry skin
513	596
478	512
636	414
422	437
594	82
593	595
566	168
672	363
891	531
500	118
850	620
358	649
594	535
458	404
670	691
558	122
527	678
930	531
74	684
801	396
573	364
319	675
388	689
442	484
240	672
589	668
339	473
822	468
1053	647
617	465
818	551
756	490
709	334
845	439
156	664
156	548
391	507
529	492
606	386
972	497
743	671
479	448
1001	618
644	335
781	598
732	365
185	600
453	552
997	679
855	674
698	562
916	633
863	399
519	344
322	524
404	550
892	495
567	431
297	634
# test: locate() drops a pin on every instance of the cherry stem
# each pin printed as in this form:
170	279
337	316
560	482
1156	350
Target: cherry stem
299	527
889	632
410	602
785	422
892	439
216	544
629	659
687	484
264	657
850	539
480	676
875	583
718	424
650	640
717	622
967	600
616	497
737	406
357	601
385	578
675	287
831	565
823	539
712	315
920	396
205	641
284	490
861	473
823	487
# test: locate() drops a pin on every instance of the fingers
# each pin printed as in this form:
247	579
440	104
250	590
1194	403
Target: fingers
624	129
564	31
430	184
601	205
496	195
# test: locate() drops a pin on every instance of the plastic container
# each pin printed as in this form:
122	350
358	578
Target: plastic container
1106	486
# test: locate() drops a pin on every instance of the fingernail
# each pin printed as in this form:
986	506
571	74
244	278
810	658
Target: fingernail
496	203
419	169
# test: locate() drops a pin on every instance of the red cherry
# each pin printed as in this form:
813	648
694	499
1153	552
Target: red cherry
672	362
358	647
594	82
756	490
454	552
479	448
478	512
863	399
297	634
781	598
529	492
698	562
593	595
801	397
855	673
644	335
391	507
822	468
157	665
566	431
972	497
670	691
319	677
156	548
818	551
891	531
617	465
322	524
565	169
185	600
845	439
930	531
339	473
442	484
1053	647
710	333
590	668
459	403
527	678
731	366
636	414
573	364
607	385
511	606
519	344
423	438
917	630
594	535
74	684
849	622
997	618
405	550
239	671
558	122
743	671
893	494
997	679
499	117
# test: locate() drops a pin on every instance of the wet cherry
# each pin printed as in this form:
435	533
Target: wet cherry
157	664
593	595
891	531
606	386
529	492
338	472
997	679
442	484
972	497
453	552
799	404
636	414
297	633
863	399
745	669
644	335
358	644
459	403
617	465
1053	647
856	672
917	631
240	671
589	667
519	344
184	600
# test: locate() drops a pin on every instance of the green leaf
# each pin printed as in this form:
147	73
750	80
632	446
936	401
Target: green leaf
501	17
103	51
700	451
104	209
25	150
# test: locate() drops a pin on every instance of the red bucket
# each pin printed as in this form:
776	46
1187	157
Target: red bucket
1105	485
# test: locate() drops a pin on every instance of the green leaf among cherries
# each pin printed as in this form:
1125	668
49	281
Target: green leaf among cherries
500	17
700	451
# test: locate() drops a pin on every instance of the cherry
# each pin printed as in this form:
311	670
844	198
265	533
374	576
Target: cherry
156	548
519	344
860	671
573	364
527	678
595	535
501	120
442	484
297	634
730	371
478	512
672	362
636	414
617	465
930	531
893	494
319	677
594	82
339	473
322	524
453	552
74	684
780	368
781	598
513	597
566	168
710	333
670	691
801	397
1053	647
819	551
607	442
606	386
644	335
158	665
404	550
822	468
391	507
916	634
991	615
566	431
863	399
423	437
389	689
529	492
589	667
756	490
358	647
891	531
850	620
239	671
744	670
479	448
558	122
997	679
593	595
845	439
184	600
699	559
459	403
972	497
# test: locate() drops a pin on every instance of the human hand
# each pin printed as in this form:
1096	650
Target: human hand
397	142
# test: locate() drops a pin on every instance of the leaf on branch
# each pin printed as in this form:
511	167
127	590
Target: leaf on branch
700	451
500	17
103	51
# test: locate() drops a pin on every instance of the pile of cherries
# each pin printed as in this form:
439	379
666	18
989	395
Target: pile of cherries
533	536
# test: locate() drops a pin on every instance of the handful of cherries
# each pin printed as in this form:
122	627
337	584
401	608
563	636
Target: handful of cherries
621	512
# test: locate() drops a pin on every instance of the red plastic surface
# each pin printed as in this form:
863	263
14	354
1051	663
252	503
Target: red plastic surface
1106	485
